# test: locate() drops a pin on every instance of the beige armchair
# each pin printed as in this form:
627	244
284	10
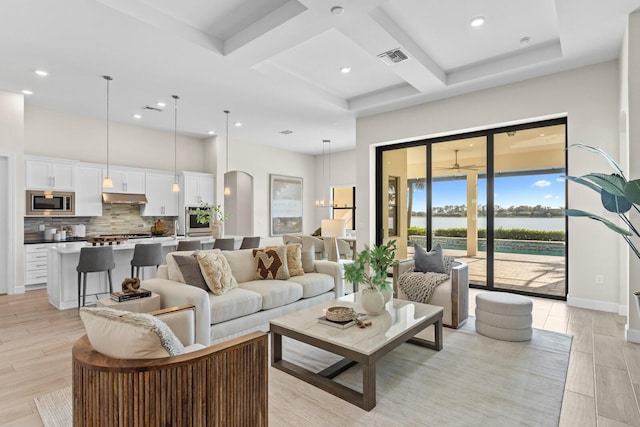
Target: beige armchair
315	244
205	387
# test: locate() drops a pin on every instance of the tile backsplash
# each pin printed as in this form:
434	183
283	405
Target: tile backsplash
115	219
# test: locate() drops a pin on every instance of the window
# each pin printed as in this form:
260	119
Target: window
344	205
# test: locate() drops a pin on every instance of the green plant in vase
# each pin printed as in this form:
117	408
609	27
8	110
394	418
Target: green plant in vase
211	214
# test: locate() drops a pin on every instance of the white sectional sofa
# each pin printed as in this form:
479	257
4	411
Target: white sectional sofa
253	303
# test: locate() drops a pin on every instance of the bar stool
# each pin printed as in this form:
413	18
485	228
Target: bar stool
250	242
224	244
93	260
146	255
189	245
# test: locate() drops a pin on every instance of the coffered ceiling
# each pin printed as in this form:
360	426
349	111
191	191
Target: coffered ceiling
276	63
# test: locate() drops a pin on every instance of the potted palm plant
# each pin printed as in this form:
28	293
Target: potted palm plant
618	195
211	214
370	268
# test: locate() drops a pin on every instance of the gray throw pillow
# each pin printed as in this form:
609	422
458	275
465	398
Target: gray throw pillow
308	261
429	262
190	269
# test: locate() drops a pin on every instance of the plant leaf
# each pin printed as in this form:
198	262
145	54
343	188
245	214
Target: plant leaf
632	191
616	204
584	182
612	226
613	184
612	162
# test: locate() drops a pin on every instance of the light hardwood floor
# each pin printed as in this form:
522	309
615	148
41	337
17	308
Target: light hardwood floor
602	388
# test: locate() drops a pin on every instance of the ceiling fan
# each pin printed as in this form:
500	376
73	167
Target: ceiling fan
457	167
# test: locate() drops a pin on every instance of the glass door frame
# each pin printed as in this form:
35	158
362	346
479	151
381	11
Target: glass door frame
490	174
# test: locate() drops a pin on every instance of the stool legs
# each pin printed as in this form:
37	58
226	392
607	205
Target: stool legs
110	285
79	284
82	283
84	288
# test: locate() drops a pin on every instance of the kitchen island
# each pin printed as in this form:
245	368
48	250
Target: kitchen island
62	277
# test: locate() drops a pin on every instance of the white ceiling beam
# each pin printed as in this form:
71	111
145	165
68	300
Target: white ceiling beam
383	96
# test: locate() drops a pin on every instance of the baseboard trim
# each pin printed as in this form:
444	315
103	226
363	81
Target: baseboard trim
632	335
592	304
17	290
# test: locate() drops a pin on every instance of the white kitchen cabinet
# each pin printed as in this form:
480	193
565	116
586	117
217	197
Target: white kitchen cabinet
125	181
35	264
198	187
161	200
50	174
89	190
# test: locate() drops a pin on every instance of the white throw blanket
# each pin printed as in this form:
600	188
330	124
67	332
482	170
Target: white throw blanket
419	287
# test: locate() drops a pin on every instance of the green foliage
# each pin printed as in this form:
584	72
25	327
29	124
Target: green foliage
371	265
616	194
499	233
207	213
417	231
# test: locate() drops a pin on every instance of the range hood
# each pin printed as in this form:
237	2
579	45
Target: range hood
123	198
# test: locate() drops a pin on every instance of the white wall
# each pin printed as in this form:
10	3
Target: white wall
589	98
259	161
11	146
70	136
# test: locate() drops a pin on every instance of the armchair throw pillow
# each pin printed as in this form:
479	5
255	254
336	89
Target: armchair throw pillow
125	335
429	262
271	263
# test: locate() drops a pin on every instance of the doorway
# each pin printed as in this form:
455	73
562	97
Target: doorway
7	224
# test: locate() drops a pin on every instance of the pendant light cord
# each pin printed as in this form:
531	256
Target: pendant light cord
108	79
175	137
226	149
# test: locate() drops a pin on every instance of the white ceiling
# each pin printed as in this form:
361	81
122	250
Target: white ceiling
275	63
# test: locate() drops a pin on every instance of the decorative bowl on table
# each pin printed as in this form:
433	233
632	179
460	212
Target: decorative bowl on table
339	313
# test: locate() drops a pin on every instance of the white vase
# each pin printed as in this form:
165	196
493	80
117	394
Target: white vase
387	295
372	301
216	229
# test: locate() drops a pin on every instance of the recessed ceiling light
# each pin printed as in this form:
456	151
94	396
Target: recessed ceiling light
286	132
337	10
237	124
161	104
27	92
345	70
524	41
211	132
137	116
477	21
41	73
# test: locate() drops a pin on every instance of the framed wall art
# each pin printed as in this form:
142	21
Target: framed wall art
286	204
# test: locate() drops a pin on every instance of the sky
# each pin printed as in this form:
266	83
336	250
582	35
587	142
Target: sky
531	190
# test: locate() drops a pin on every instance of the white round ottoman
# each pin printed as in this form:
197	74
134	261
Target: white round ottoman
504	316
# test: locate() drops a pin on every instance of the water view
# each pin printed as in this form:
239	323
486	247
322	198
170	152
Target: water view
543	224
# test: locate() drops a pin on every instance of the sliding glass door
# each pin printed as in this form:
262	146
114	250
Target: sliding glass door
493	199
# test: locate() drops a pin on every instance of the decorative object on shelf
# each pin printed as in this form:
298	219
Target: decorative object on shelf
176	186
211	214
370	268
130	285
321	203
286	205
340	313
107	182
617	195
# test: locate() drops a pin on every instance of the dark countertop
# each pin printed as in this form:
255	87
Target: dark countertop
35	240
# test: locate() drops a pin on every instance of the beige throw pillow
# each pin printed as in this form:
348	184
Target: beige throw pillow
294	258
216	271
271	263
124	335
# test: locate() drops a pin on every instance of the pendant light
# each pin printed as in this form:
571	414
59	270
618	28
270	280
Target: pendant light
176	186
321	203
107	182
227	190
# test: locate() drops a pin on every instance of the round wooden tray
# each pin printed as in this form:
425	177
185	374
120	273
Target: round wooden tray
339	313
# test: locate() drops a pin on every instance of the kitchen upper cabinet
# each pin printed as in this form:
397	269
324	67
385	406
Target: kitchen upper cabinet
198	187
125	181
89	190
50	174
161	200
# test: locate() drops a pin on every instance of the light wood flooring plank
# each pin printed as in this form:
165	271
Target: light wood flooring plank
608	351
578	410
582	336
608	422
608	324
632	357
615	397
580	374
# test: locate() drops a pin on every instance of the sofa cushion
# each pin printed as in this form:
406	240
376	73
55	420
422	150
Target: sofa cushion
125	335
190	270
294	258
241	263
271	263
427	262
314	284
275	293
237	302
216	271
308	261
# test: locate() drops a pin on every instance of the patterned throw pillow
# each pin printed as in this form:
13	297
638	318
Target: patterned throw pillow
271	263
294	258
216	271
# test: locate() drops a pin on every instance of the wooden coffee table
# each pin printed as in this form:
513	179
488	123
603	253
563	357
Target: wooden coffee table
399	323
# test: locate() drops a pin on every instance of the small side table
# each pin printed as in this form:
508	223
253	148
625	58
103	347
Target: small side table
141	305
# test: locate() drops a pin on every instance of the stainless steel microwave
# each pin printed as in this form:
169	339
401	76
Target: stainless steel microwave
50	203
